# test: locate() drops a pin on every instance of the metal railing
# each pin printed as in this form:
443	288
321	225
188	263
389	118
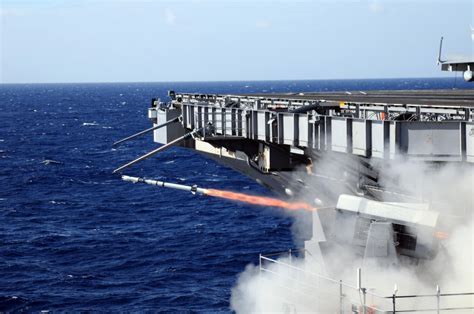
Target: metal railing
438	298
357	109
347	298
362	137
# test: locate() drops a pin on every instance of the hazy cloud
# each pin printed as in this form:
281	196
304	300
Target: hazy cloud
170	17
13	12
375	6
263	24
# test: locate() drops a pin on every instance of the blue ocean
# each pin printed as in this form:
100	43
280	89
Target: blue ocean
74	237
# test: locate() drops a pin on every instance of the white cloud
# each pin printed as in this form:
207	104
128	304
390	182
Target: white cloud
263	24
375	6
12	12
170	17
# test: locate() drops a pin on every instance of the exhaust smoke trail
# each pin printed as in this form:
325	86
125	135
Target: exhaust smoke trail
258	200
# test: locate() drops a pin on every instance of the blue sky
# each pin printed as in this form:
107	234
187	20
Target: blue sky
202	40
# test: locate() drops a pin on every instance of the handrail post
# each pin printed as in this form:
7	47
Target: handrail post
394	297
364	291
438	295
341	298
364	299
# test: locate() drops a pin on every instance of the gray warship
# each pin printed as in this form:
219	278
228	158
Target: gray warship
333	150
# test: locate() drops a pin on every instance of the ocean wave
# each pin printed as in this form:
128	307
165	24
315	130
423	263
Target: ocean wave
90	123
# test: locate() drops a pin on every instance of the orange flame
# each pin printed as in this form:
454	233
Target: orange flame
441	235
259	200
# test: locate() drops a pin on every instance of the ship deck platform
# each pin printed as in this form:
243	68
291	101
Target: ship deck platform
450	98
428	125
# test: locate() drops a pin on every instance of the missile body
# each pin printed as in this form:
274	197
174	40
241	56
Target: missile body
193	189
228	195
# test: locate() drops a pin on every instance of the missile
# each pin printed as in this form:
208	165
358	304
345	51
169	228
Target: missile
190	188
229	195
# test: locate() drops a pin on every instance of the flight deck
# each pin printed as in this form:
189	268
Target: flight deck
420	97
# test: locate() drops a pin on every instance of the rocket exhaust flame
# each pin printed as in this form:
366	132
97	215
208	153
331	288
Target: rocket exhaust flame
441	235
240	197
258	200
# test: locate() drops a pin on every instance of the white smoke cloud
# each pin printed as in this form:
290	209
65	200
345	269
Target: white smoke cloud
447	189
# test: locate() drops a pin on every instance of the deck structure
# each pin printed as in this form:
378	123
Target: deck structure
421	125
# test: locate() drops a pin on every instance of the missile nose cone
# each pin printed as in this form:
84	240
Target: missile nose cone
318	202
129	179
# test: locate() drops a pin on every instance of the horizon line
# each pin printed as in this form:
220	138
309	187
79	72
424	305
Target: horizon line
225	81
